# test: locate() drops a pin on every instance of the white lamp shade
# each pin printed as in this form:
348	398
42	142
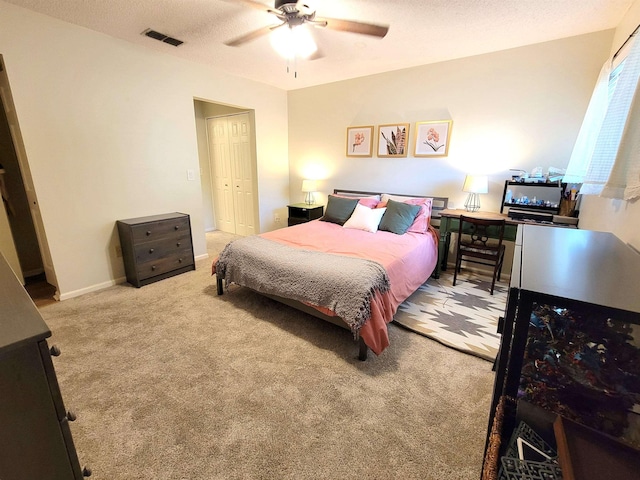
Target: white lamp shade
476	184
309	186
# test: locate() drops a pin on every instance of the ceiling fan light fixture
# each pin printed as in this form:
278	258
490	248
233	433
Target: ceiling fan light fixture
293	42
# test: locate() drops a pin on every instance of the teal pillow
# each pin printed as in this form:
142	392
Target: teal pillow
339	209
398	217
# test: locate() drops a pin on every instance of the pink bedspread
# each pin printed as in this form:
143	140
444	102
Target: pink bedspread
409	260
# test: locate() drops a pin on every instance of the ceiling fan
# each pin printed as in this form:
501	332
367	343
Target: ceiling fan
294	14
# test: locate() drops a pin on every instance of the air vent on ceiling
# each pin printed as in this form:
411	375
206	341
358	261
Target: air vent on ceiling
162	37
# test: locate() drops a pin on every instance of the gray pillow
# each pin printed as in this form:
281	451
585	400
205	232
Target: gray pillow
339	209
398	217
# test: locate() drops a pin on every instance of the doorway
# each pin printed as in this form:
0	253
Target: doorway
19	202
227	151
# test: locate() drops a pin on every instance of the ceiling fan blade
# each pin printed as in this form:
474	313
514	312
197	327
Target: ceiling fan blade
354	27
236	42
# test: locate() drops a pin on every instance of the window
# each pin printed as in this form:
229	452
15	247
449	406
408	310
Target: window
603	159
613	79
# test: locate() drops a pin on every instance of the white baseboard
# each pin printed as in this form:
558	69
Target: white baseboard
92	288
103	285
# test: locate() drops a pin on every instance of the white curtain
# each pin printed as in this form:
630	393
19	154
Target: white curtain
624	181
590	129
605	156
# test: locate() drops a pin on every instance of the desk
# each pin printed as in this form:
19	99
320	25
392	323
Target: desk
450	222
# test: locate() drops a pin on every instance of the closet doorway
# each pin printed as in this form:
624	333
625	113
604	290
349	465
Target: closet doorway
20	203
232	173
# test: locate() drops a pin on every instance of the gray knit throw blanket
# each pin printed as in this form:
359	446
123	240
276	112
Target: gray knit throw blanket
345	285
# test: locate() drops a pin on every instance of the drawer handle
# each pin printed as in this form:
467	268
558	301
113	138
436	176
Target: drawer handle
55	351
176	227
148	232
153	267
179	260
151	250
71	416
178	244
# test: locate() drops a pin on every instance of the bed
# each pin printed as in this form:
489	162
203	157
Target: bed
353	267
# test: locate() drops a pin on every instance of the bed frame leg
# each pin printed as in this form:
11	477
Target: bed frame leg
219	284
363	349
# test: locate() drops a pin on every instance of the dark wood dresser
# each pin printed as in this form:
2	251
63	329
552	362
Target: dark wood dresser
569	356
156	247
35	438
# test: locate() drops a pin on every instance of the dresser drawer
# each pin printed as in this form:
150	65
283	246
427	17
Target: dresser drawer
166	264
165	247
161	229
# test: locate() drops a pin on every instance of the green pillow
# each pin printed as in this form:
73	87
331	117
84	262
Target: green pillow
398	217
339	209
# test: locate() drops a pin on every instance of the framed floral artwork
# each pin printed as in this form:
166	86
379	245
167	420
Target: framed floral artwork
393	140
360	141
432	138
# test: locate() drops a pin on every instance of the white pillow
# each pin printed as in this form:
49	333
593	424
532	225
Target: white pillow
365	218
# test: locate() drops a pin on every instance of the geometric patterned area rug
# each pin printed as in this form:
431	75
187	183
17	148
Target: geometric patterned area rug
464	317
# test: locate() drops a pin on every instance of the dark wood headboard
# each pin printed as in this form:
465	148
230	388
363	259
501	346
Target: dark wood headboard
439	203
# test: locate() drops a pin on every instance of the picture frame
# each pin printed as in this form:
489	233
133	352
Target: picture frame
393	140
432	138
360	141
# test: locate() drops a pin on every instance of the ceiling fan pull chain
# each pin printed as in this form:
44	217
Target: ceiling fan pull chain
295	66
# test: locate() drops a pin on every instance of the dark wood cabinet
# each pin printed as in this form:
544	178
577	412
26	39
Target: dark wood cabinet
568	348
156	247
303	212
35	438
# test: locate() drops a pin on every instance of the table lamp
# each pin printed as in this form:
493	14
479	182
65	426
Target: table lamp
474	185
308	187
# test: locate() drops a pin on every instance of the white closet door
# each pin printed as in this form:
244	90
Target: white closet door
242	173
232	173
220	165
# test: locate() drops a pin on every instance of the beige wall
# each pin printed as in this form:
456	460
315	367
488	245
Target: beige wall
518	108
109	130
604	214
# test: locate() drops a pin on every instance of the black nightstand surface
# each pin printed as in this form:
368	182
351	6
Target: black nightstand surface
304	212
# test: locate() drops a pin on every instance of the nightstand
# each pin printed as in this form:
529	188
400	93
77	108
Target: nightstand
303	212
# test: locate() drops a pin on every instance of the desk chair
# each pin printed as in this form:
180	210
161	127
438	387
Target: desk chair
474	245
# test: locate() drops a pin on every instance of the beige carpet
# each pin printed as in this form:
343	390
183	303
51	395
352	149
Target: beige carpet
171	381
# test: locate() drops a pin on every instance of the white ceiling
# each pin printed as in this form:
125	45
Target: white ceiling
421	31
